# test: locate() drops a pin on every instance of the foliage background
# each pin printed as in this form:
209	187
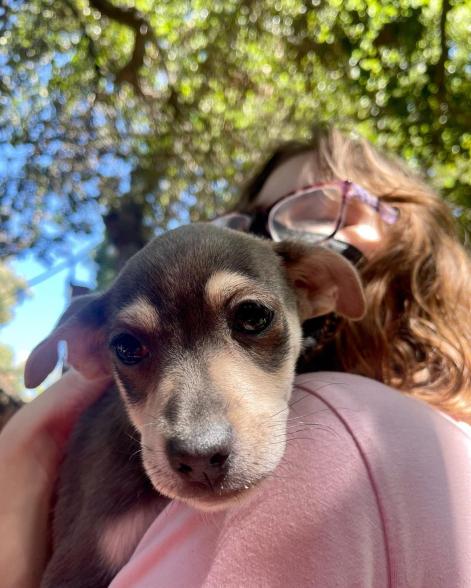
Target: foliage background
122	118
10	286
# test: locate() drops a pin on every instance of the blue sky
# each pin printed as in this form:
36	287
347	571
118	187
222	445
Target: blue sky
36	316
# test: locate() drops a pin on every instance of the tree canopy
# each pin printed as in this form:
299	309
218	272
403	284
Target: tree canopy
148	113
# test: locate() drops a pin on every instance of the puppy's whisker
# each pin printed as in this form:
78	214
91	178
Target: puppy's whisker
316	426
134	453
134	438
300	439
287	407
277	426
293	402
303	416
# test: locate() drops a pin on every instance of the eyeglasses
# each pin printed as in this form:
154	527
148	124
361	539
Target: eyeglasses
315	212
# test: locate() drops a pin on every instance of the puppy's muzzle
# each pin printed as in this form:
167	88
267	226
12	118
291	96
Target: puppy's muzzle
202	458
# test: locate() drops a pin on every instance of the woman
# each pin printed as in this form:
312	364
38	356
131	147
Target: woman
374	487
416	335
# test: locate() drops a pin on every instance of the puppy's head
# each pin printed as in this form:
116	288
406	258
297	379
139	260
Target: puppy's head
201	331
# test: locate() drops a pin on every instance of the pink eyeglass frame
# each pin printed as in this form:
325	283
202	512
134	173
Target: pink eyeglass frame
349	191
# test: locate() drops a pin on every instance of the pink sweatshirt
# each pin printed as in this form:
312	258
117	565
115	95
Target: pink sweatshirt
374	490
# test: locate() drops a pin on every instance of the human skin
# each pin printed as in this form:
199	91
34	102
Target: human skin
32	445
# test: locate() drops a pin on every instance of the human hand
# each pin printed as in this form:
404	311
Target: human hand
32	445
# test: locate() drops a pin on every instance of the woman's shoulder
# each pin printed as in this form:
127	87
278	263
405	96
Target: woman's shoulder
413	460
398	437
353	399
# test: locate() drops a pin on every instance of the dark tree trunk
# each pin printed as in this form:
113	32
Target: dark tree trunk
125	230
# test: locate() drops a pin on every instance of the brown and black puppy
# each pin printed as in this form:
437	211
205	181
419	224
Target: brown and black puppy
201	331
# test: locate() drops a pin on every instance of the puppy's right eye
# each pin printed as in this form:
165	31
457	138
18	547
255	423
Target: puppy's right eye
252	318
128	349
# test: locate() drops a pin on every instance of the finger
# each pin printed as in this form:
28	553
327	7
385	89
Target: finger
55	410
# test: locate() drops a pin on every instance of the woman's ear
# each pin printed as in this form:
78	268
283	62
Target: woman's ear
82	327
324	281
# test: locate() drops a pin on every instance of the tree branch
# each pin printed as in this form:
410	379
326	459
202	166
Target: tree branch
440	74
143	33
90	43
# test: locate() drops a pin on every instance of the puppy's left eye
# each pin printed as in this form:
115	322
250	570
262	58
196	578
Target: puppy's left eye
128	349
252	318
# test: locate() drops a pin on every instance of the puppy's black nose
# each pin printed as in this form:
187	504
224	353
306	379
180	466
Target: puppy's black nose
203	458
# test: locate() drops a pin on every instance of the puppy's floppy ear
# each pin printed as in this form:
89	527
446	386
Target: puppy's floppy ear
82	326
324	281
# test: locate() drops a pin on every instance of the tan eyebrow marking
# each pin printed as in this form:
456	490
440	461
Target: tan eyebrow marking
223	284
141	314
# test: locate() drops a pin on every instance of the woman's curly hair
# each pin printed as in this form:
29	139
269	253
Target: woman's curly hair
416	334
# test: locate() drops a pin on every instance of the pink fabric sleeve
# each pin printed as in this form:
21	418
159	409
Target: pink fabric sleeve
374	490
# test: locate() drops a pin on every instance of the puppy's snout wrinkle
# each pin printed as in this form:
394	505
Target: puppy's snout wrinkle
204	457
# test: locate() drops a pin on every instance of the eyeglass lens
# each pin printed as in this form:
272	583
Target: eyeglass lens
315	215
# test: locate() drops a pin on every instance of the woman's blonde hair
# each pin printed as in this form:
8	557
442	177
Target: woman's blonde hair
416	335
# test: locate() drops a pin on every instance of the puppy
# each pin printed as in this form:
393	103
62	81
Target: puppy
201	332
